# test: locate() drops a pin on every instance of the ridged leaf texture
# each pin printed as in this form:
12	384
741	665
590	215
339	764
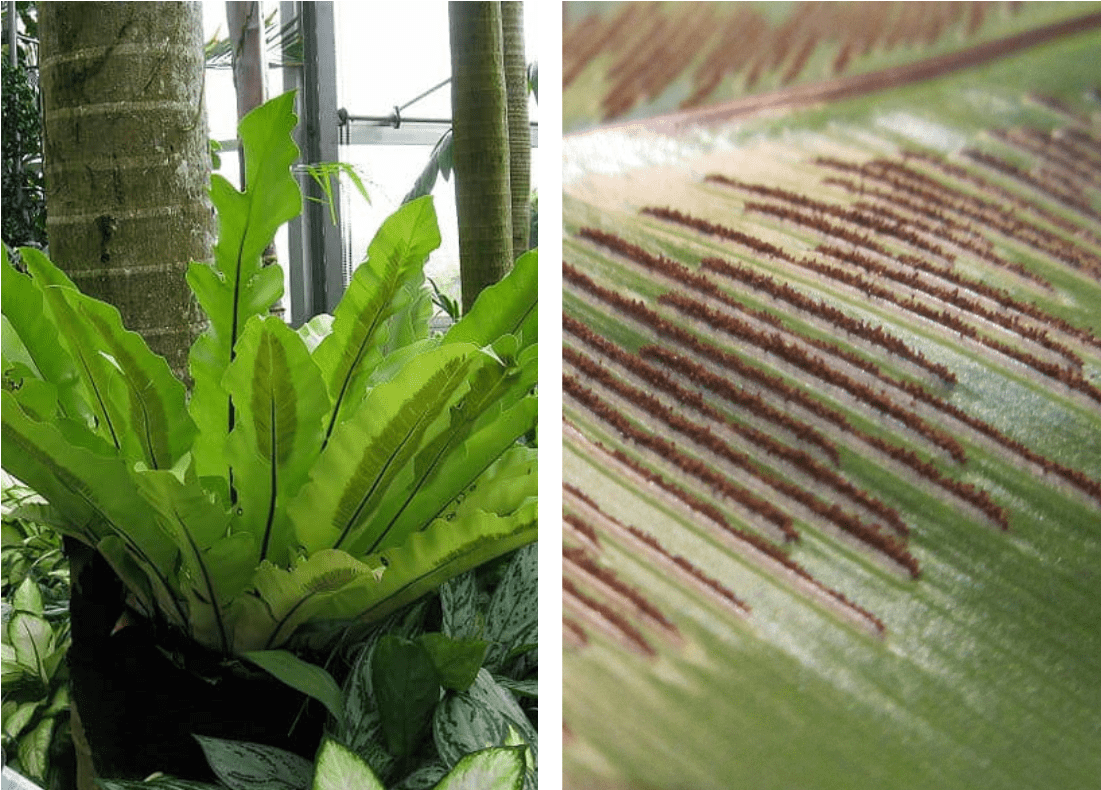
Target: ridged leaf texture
31	339
832	452
236	287
509	307
384	307
367	454
281	405
138	403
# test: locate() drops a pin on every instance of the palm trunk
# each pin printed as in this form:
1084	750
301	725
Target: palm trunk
127	167
127	159
481	150
519	132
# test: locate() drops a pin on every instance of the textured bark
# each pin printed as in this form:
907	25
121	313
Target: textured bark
519	132
127	161
127	168
481	151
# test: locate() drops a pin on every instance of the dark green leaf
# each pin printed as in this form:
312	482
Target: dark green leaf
159	783
459	601
254	766
424	777
457	661
521	688
513	617
407	689
308	678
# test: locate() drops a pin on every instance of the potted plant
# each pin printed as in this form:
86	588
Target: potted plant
334	473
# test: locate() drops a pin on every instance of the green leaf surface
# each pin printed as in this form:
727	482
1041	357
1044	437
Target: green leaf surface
236	287
32	639
494	411
308	678
459	602
355	472
447	548
383	290
93	493
290	597
489	769
34	748
25	313
513	617
457	661
315	330
426	776
521	688
218	565
157	423
27	597
407	689
11	668
18	716
339	768
705	647
509	307
137	402
158	783
254	766
361	729
280	403
439	162
483	716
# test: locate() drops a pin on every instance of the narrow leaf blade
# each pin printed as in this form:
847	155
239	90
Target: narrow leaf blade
385	287
235	287
308	678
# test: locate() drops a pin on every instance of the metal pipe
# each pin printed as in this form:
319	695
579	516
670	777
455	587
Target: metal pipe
13	34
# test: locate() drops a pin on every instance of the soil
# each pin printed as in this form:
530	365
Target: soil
143	691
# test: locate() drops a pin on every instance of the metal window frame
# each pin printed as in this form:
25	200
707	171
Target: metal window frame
315	248
314	244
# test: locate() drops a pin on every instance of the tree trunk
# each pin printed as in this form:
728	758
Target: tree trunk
246	36
127	167
519	132
481	151
127	160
